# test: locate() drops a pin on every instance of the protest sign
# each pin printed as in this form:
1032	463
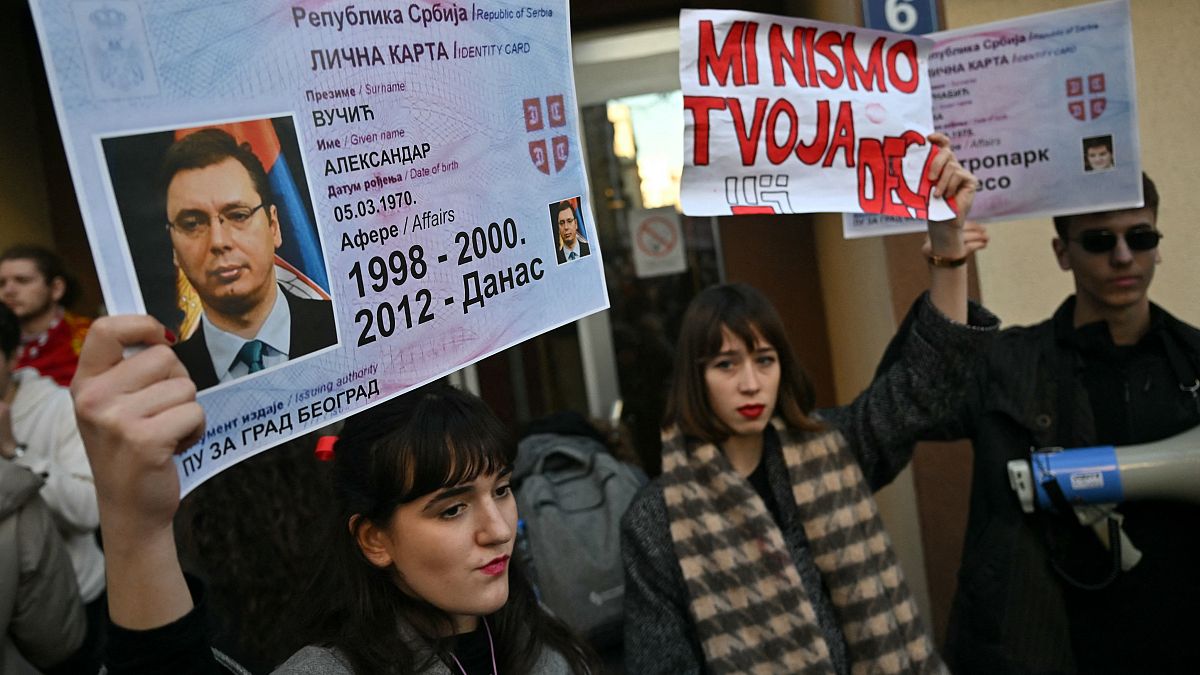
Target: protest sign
788	115
369	193
1043	110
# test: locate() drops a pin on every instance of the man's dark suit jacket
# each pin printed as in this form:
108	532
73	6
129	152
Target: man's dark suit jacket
312	329
584	251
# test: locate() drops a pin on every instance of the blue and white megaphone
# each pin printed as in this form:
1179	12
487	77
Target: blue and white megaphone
1168	469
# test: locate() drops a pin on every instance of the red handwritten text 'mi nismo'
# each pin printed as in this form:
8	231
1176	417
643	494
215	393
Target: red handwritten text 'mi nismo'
815	58
810	58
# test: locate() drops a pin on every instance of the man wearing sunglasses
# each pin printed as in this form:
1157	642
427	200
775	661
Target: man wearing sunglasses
1110	367
224	230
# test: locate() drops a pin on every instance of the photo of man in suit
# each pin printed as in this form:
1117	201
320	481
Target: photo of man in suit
224	230
1098	153
566	221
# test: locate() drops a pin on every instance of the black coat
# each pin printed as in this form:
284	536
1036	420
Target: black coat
1012	612
313	328
584	251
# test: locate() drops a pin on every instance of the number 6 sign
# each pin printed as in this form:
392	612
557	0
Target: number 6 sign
915	17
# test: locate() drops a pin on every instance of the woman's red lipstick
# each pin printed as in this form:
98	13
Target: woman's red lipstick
495	567
752	412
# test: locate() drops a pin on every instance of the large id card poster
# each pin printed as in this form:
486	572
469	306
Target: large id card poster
329	202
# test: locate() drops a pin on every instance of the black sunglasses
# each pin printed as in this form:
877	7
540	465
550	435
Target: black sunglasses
1103	241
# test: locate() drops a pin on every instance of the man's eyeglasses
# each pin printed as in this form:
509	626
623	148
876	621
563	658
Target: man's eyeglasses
196	224
1103	241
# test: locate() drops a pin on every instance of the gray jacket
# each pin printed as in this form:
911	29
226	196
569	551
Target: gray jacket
40	611
328	661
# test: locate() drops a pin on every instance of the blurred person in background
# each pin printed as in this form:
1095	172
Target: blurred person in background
36	287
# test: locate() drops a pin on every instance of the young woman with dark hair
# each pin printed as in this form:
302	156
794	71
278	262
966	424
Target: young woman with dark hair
423	483
418	577
760	548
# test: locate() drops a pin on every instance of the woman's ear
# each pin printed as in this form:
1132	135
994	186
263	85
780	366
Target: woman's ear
372	540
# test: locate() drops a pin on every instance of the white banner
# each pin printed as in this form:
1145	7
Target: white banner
788	115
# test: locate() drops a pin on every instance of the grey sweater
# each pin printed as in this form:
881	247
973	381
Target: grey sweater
327	661
41	615
908	396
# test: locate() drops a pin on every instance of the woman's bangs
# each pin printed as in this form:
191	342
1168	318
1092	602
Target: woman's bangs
738	323
449	446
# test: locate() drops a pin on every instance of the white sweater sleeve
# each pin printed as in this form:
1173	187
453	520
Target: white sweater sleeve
70	491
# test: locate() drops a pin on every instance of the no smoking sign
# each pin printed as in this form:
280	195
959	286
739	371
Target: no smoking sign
657	237
657	242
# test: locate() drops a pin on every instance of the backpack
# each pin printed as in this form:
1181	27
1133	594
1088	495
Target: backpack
571	494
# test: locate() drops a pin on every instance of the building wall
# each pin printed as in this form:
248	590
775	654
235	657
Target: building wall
37	198
24	205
